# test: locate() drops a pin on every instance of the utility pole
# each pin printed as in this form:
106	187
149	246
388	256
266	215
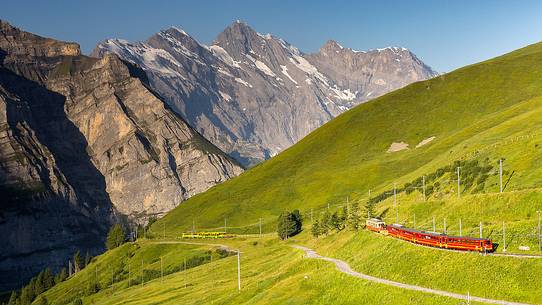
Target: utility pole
260	227
460	228
224	224
434	225
500	175
395	203
503	237
539	244
458	184
481	229
238	271
423	186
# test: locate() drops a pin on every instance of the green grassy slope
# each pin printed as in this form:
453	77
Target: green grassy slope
467	110
271	273
480	113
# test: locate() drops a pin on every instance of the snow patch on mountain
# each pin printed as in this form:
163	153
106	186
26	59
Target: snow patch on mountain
346	94
224	96
243	82
305	66
285	72
219	52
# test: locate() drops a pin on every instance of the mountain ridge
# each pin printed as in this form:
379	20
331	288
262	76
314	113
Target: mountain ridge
253	95
86	142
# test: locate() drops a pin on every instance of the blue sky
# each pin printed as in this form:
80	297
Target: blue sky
444	34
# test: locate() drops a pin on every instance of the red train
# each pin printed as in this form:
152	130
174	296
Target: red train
431	239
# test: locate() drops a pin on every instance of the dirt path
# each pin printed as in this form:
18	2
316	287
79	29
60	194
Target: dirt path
345	268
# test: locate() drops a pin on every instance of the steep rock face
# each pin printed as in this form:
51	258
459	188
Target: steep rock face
150	158
84	141
254	95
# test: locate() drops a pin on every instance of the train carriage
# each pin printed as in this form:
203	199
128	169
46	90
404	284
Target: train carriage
207	235
376	225
433	239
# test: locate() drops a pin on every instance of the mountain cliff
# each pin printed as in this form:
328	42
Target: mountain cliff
85	142
255	95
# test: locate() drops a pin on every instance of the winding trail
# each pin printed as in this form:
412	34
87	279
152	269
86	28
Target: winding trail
344	267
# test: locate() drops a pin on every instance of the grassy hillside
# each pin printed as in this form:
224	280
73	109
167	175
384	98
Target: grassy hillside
271	273
468	110
478	115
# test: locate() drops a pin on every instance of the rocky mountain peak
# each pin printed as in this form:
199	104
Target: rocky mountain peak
331	45
238	36
15	42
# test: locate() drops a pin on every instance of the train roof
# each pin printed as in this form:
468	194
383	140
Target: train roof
433	233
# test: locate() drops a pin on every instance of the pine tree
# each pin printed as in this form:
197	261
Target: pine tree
370	209
325	225
38	284
115	237
48	279
315	230
88	258
78	261
27	295
354	217
298	219
344	216
289	224
13	298
61	276
335	222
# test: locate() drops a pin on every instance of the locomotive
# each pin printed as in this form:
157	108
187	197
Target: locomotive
431	239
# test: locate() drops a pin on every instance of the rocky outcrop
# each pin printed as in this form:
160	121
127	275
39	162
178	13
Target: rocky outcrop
254	95
84	141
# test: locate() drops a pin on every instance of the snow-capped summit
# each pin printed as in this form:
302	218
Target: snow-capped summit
254	94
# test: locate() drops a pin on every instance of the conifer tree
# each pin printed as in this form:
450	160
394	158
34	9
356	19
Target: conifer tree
88	258
354	217
325	225
315	230
77	261
48	279
335	222
61	276
38	284
115	237
13	298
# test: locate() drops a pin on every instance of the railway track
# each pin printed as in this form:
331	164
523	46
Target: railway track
516	255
